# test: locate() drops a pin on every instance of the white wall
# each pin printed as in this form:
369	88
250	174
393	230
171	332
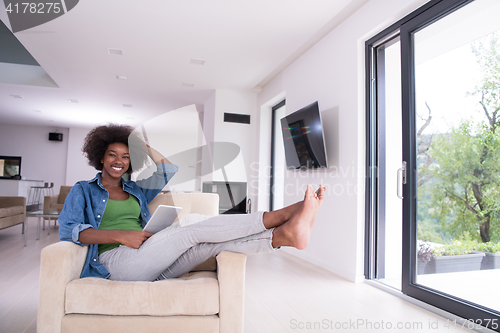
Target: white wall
228	101
62	163
244	135
41	159
208	132
78	167
175	134
332	72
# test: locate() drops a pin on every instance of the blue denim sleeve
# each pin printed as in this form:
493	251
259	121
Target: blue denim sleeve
72	219
75	234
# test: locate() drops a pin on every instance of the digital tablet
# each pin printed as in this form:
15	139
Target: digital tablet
162	218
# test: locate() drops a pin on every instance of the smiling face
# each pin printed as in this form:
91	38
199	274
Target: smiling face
116	161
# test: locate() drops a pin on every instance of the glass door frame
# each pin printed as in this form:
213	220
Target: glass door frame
405	28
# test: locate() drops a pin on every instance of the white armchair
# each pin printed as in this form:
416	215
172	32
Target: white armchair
208	299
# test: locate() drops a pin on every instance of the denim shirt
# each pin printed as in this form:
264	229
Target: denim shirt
85	204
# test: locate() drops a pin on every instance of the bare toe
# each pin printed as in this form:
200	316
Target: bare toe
320	193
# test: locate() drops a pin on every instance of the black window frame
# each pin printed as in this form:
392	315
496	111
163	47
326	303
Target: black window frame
405	28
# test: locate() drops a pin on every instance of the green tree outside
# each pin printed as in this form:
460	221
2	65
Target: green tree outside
464	176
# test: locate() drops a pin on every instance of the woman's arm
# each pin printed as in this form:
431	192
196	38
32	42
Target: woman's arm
156	156
71	219
130	238
153	184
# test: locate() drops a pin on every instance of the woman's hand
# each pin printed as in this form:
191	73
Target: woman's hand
130	238
133	239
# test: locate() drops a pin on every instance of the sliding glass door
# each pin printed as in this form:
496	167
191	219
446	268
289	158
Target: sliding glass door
449	174
451	87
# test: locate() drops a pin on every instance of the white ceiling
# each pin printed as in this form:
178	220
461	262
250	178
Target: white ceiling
244	45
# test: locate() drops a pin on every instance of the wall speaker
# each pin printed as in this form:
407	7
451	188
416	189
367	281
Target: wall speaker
55	137
236	118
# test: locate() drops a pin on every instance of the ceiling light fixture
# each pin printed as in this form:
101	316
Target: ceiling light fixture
121	77
16	96
115	51
197	62
127	105
190	85
37	111
73	101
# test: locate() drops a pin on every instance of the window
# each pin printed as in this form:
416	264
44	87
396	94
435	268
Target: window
449	149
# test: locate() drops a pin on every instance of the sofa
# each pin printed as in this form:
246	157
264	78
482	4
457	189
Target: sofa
13	212
208	299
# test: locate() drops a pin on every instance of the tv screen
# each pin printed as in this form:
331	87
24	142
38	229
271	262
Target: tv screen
10	166
303	139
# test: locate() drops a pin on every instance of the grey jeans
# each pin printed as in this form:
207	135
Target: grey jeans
186	244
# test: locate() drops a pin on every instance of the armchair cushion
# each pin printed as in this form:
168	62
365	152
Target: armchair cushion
192	294
11	211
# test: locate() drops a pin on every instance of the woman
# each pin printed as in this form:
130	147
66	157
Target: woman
108	213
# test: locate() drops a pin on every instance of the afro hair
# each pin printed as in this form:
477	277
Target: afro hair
98	139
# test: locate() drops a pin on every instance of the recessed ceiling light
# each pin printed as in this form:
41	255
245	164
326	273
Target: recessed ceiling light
115	51
16	96
73	101
190	85
127	105
197	62
121	77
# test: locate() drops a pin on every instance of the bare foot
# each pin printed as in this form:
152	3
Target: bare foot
276	218
296	232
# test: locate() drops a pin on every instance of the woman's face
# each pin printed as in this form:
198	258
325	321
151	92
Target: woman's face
116	160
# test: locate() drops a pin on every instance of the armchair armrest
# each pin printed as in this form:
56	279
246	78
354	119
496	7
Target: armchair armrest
231	276
61	263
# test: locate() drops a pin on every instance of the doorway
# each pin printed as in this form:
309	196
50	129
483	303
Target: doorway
277	168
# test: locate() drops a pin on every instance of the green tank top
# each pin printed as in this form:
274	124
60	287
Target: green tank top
120	215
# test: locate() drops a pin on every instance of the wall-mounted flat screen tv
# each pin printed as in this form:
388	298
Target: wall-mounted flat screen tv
10	167
303	139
